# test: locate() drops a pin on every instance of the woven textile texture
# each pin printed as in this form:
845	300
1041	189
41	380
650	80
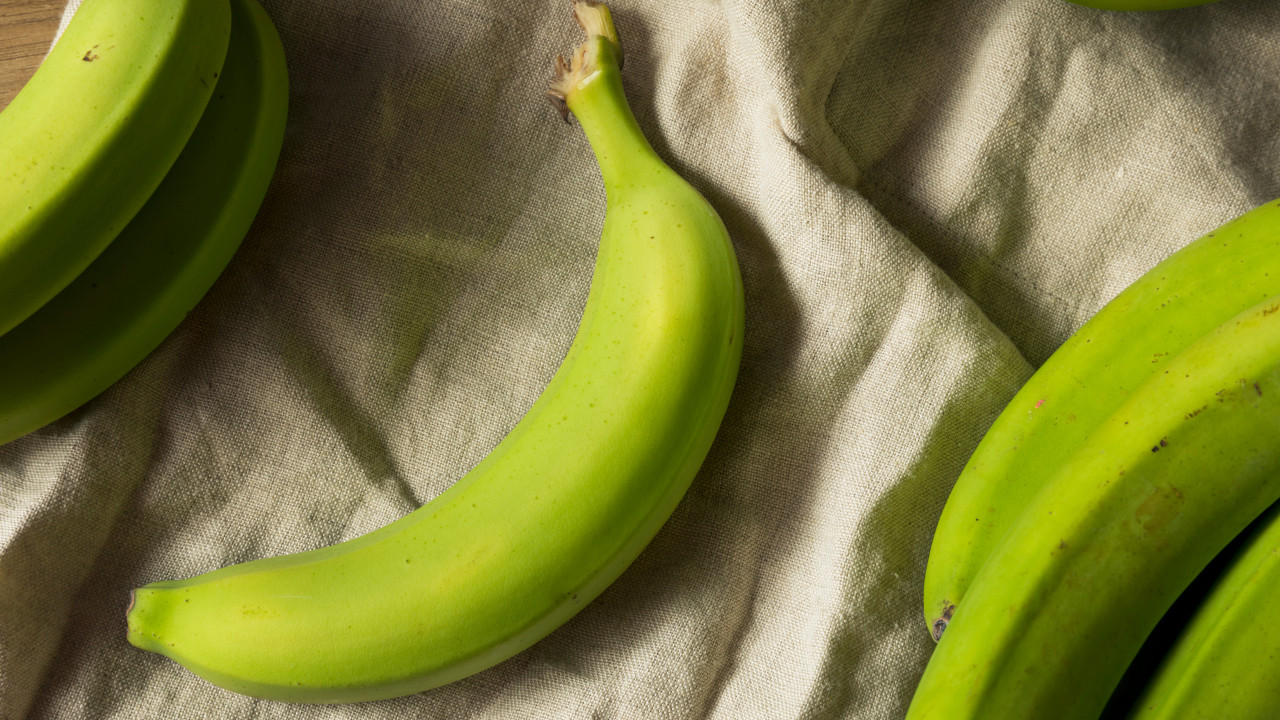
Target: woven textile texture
926	199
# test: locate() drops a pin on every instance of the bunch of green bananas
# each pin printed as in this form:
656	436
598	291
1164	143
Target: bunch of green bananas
1131	457
554	513
135	160
1136	453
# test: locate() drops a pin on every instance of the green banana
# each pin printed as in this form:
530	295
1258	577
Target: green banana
90	136
138	290
1087	378
1225	664
1065	601
553	514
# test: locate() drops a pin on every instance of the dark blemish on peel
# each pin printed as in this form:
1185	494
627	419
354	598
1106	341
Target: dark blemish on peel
1257	389
90	55
940	625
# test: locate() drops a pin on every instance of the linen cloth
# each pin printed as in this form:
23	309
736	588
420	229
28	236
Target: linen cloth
926	198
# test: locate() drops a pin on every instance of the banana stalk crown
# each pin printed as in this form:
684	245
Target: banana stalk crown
601	48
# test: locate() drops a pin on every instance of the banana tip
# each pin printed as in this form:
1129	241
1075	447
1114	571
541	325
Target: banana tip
939	625
131	631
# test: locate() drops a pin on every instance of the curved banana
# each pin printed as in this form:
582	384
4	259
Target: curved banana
138	290
87	140
1066	600
1125	343
553	514
1225	665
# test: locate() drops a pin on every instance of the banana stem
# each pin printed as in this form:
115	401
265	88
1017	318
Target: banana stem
591	88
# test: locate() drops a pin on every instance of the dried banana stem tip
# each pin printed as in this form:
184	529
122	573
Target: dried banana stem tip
595	19
596	22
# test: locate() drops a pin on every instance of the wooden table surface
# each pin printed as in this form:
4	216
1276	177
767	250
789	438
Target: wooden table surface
27	28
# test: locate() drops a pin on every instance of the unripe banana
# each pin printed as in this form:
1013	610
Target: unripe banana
90	136
553	514
1125	343
1225	664
138	290
1165	482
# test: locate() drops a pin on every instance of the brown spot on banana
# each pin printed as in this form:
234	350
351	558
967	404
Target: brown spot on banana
940	624
1159	509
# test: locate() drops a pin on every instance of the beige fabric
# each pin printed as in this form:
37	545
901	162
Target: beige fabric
926	198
